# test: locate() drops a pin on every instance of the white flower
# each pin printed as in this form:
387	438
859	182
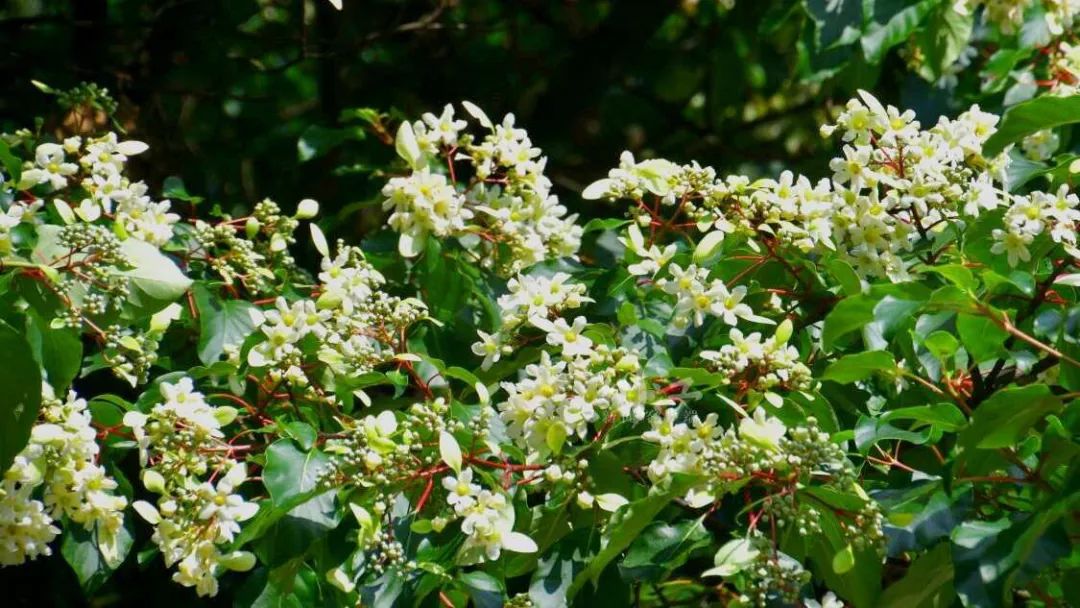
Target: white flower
49	167
728	304
565	336
1013	244
763	430
226	507
829	600
488	347
182	399
444	127
25	529
423	203
461	491
107	155
489	525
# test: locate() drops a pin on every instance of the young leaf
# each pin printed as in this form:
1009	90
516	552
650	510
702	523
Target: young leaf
406	146
450	451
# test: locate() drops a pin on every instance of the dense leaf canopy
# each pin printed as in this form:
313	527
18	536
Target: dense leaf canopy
478	303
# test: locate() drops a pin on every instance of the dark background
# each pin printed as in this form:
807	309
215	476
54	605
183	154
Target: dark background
223	90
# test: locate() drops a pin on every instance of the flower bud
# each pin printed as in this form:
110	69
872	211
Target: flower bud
251	227
153	481
307	209
225	414
238	561
585	500
339	579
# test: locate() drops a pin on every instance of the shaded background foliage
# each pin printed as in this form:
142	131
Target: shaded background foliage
223	91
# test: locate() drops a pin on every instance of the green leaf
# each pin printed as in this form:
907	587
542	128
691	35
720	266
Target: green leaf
708	247
301	432
844	560
849	315
990	556
316	141
661	548
997	69
733	557
173	188
1021	170
941	344
1025	118
880	38
1005	418
558	568
982	338
155	279
943	39
859	366
270	514
600	224
555	437
928	582
931	421
221	323
12	164
406	146
624	527
288	586
450	451
846	276
485	590
59	351
837	22
956	274
81	552
290	474
20	398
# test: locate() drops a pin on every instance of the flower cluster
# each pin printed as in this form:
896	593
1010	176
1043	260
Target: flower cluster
352	327
57	475
762	450
1030	216
760	367
1008	16
1040	145
1065	66
696	296
487	518
250	249
94	259
558	400
529	297
95	169
387	454
763	573
183	451
102	259
489	193
894	186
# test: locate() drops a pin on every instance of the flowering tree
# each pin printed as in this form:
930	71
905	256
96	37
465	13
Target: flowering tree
854	388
